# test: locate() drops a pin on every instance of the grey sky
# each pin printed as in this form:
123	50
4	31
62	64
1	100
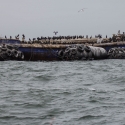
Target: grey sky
37	18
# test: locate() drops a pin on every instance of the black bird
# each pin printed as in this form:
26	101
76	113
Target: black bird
99	35
55	32
5	37
10	37
38	38
18	35
34	39
23	36
30	42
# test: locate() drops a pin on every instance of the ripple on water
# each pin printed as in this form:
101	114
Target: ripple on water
76	92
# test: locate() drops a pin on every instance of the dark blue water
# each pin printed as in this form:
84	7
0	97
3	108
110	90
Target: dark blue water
62	93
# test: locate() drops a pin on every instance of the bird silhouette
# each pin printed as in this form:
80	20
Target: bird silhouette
55	32
34	39
23	36
82	10
5	37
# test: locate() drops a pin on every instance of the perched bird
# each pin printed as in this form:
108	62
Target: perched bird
55	32
17	37
10	37
34	39
5	37
99	36
118	31
23	36
38	38
82	10
30	42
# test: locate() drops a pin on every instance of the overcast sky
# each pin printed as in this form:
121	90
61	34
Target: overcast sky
36	18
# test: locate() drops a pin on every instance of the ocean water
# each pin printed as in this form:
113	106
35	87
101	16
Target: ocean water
62	93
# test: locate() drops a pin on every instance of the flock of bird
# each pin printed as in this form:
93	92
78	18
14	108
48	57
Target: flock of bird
23	36
16	37
56	37
55	32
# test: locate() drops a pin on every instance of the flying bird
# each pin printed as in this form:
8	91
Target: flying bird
82	10
55	32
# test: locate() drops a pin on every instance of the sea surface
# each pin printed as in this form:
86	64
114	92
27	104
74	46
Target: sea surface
62	93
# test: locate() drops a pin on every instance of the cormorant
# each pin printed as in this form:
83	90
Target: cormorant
23	36
34	39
